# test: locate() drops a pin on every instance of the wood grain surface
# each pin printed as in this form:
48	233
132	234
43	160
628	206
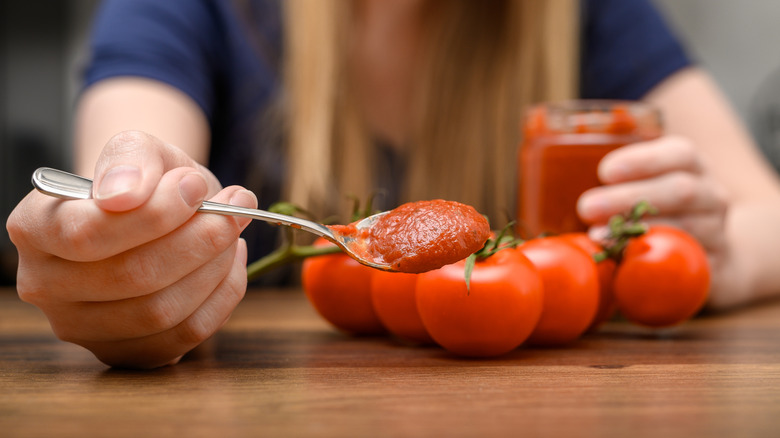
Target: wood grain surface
277	369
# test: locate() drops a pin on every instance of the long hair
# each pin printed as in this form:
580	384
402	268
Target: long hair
484	63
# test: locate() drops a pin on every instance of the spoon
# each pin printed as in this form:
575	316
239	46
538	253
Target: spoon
64	185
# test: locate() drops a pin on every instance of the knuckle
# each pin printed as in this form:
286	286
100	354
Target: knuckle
158	315
125	142
34	283
195	330
685	188
721	198
159	221
69	238
83	240
236	289
687	153
140	274
14	227
30	289
205	321
216	238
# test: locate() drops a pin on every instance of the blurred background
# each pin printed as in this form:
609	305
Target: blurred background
42	49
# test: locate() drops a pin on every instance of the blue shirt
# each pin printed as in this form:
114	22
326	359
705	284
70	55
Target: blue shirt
225	54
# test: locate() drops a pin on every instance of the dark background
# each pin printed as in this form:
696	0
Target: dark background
42	51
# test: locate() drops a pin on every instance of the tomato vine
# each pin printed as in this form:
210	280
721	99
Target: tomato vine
288	252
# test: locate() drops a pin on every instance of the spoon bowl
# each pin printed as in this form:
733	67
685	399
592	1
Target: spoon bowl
65	185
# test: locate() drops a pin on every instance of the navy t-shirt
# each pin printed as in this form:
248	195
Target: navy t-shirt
225	55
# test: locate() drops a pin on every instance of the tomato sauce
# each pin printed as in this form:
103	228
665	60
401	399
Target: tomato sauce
562	146
422	236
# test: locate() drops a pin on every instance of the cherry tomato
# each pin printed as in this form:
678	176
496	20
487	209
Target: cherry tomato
339	288
393	295
606	269
571	289
663	278
492	317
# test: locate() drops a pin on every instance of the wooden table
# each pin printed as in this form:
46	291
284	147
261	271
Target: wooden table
278	370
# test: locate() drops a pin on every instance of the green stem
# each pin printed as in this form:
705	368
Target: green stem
288	252
623	228
284	255
503	240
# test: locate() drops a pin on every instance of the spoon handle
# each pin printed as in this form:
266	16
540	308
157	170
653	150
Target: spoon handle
64	185
61	184
267	216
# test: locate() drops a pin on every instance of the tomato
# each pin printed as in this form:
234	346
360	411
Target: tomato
393	295
339	288
492	317
663	278
606	270
571	289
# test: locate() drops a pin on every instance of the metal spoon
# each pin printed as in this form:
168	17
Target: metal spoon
64	185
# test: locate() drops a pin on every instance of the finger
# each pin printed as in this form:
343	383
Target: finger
81	231
671	194
130	166
149	267
144	315
649	159
160	349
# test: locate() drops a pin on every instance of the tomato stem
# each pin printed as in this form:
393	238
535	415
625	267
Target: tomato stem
503	240
368	210
642	209
600	256
289	252
286	254
624	227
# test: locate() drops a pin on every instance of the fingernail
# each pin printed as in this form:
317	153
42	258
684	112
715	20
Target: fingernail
193	188
244	198
119	180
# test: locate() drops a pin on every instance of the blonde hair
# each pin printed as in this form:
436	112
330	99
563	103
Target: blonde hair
485	63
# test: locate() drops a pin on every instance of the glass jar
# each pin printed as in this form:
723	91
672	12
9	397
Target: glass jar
563	143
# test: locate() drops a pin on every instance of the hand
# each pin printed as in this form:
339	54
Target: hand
134	275
670	174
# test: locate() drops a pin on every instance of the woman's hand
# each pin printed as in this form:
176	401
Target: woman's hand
708	179
668	173
672	176
134	275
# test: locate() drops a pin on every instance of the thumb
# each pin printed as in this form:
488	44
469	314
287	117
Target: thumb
130	168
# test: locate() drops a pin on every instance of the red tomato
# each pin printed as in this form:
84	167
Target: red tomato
339	288
395	303
493	317
606	270
663	278
571	289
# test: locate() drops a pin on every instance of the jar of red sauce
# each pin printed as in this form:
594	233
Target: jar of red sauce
563	143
